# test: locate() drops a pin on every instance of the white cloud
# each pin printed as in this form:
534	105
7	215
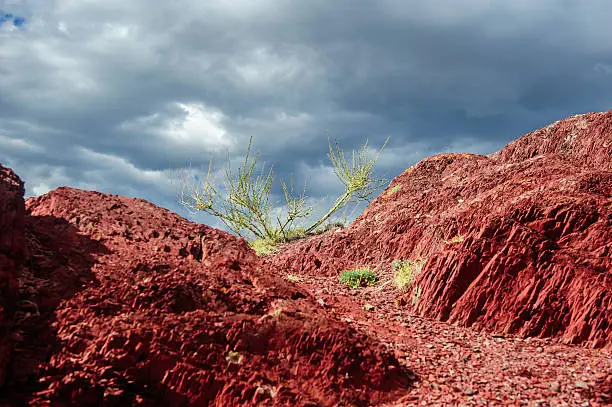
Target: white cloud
193	127
199	124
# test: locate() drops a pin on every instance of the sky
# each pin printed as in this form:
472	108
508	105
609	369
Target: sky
121	96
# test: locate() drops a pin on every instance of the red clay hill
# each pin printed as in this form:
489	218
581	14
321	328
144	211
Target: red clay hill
125	303
516	242
113	301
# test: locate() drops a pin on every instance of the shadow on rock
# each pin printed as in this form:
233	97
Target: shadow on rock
59	265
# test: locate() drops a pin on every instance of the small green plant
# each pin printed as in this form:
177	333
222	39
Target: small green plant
406	271
358	278
394	190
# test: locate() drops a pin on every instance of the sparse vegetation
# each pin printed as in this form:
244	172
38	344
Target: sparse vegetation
293	278
406	272
276	313
394	190
358	278
245	206
234	357
455	239
266	246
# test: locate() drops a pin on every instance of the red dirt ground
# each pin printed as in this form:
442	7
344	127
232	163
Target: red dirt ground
117	302
459	366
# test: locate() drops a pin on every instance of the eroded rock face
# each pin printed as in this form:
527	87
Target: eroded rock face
516	242
12	211
583	139
12	255
138	306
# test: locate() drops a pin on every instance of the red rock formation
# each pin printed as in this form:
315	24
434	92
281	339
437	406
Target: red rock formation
120	302
138	306
516	242
582	139
12	255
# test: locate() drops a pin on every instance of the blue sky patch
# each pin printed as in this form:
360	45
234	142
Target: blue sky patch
17	21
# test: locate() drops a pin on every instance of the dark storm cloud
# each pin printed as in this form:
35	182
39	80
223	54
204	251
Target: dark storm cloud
109	95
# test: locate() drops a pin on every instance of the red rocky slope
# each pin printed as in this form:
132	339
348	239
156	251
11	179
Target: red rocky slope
125	303
516	242
12	255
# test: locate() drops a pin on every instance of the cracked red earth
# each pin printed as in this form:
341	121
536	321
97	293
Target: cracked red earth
107	300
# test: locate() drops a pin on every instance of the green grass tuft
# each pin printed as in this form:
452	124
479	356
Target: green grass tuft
394	190
358	278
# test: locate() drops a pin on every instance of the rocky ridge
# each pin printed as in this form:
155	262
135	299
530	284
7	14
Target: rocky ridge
517	242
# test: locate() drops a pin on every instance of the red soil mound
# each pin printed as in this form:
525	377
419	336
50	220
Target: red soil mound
125	303
516	242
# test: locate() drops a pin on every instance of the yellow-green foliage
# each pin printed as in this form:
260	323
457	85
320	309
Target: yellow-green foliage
406	271
293	278
455	239
266	246
263	247
269	245
358	278
394	190
291	234
234	357
246	208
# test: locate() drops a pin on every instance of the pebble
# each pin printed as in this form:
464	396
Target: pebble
555	387
582	385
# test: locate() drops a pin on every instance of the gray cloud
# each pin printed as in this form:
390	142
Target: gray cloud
109	95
